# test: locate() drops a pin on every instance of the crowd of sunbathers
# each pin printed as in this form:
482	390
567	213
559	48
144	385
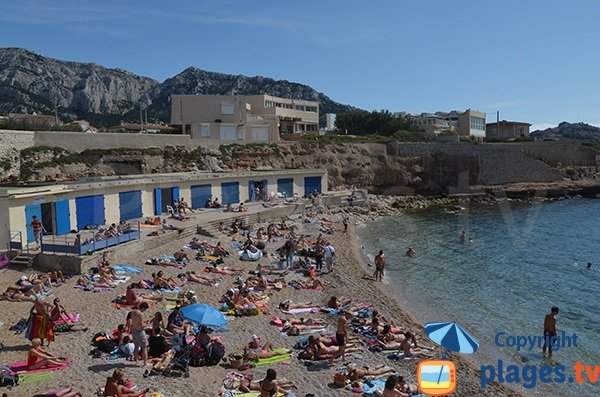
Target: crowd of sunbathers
104	233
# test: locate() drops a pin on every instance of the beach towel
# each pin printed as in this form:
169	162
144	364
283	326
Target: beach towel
127	268
301	310
208	258
40	326
21	367
25	379
373	387
70	318
272	360
250	256
237	246
175	290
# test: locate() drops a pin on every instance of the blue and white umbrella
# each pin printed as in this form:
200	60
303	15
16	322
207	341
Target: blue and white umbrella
452	337
203	315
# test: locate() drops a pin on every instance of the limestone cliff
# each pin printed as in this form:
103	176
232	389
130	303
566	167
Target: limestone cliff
389	168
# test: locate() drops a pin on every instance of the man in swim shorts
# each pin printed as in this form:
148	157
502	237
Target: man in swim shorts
549	330
138	331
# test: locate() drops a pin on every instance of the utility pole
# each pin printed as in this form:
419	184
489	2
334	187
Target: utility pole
141	119
55	110
497	125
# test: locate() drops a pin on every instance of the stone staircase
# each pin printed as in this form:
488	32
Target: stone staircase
24	259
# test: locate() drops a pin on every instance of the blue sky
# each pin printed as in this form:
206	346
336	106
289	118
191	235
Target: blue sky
535	61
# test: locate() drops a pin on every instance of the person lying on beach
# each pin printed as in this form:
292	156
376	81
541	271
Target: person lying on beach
241	208
223	270
37	286
192	277
160	281
65	392
133	299
358	373
407	344
37	357
164	262
48	278
311	284
334	303
115	386
165	227
352	341
90	283
228	208
289	304
256	354
14	294
328	352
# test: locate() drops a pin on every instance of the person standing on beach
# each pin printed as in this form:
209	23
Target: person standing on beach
379	266
549	330
37	227
140	339
329	256
341	334
345	221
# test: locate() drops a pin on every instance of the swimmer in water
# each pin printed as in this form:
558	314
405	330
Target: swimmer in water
463	237
589	265
411	253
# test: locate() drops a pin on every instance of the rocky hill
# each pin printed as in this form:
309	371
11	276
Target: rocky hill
31	82
577	131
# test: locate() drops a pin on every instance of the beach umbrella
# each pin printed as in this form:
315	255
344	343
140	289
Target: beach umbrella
203	315
452	337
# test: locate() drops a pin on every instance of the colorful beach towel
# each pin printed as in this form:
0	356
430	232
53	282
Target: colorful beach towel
127	268
272	360
21	367
301	310
70	318
25	379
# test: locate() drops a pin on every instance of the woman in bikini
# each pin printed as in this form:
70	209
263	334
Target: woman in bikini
289	304
38	357
115	387
133	299
192	277
161	282
247	386
268	386
256	354
358	373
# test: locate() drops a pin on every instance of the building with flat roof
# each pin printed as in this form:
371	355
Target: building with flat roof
255	118
506	130
81	205
467	123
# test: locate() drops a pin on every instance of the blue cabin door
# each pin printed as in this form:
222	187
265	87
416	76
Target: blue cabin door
30	211
251	196
62	216
230	193
285	186
311	184
264	189
174	193
130	205
157	201
200	195
90	211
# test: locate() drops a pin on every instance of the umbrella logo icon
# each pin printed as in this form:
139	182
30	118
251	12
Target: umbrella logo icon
438	377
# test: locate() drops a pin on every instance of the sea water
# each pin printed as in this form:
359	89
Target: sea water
522	260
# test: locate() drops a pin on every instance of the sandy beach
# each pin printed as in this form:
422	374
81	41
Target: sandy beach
99	314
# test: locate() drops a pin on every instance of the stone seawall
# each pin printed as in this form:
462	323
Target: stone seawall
479	164
11	143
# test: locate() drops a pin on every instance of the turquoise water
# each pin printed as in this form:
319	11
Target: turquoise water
524	258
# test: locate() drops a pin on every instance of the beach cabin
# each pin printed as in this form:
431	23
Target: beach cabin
84	206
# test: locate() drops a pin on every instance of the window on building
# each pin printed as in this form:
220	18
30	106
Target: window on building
205	130
268	104
299	107
226	108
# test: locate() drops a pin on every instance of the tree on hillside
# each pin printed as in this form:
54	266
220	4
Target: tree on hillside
381	122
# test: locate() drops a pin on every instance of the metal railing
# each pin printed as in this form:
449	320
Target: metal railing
15	241
86	241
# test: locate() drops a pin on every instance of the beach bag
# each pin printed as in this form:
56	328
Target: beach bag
7	378
215	353
339	379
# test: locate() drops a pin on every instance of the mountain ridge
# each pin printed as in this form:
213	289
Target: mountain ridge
565	130
105	96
